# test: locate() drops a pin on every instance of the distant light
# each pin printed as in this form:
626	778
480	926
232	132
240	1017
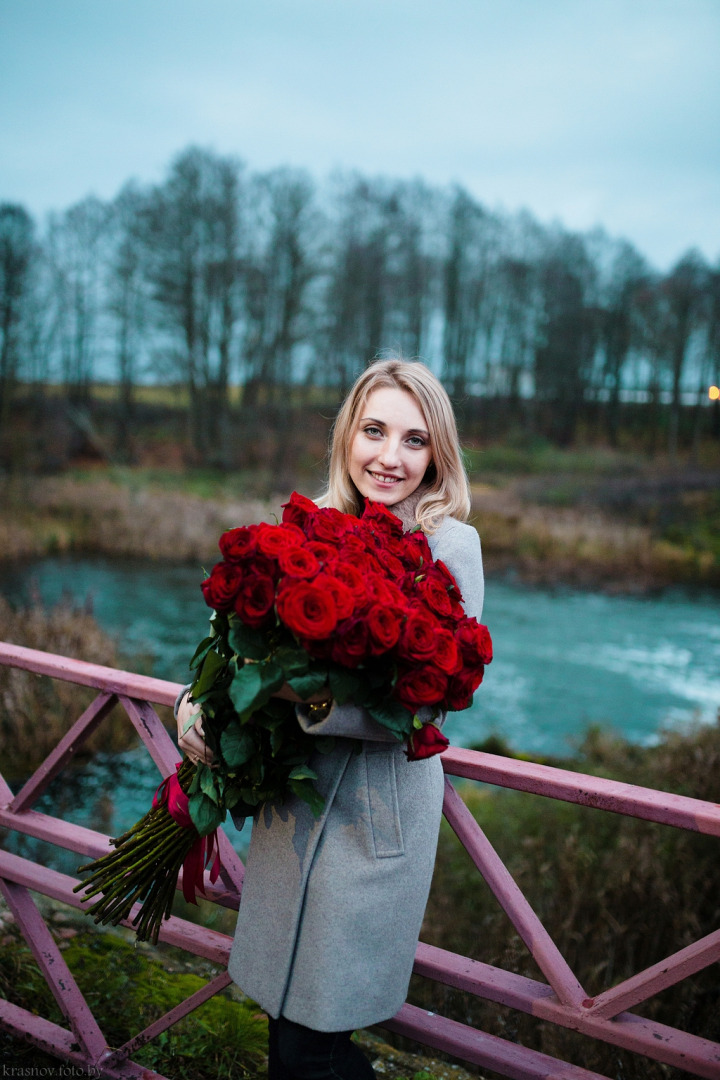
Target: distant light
714	393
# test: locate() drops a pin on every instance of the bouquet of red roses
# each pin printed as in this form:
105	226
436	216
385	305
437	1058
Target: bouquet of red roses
322	601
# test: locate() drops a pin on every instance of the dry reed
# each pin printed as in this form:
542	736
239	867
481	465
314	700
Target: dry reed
35	711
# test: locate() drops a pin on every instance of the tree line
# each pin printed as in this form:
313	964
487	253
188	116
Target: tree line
217	276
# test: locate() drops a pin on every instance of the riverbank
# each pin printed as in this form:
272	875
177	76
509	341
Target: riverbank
587	520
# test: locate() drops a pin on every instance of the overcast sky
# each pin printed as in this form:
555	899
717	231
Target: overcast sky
593	112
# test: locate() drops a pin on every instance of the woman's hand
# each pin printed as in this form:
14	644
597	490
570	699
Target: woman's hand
191	737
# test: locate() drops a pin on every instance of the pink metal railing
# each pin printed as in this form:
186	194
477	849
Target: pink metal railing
560	999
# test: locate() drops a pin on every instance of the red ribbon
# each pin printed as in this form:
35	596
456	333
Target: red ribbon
200	854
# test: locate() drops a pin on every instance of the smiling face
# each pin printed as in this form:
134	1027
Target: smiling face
390	451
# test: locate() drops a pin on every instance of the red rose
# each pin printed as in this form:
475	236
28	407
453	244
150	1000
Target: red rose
272	539
385	592
350	647
474	642
298	510
390	563
344	599
236	544
447	655
462	687
384	624
351	545
425	743
421	686
306	610
329	524
220	588
254	602
418	636
262	565
416	549
298	562
453	587
433	590
323	552
352	579
381	520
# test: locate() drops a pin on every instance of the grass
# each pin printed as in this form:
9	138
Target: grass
536	456
128	989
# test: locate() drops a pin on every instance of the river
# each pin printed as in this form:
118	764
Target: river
564	660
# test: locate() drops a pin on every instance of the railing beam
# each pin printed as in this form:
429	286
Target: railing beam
65	750
626	1030
499	879
118	682
479	1048
660	976
55	971
593	791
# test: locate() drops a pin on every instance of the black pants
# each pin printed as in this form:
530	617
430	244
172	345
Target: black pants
299	1053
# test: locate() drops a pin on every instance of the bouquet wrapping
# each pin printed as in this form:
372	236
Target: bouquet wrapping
326	604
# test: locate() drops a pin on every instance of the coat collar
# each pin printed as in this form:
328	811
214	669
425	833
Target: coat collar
405	510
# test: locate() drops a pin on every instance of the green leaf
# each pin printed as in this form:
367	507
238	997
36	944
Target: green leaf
232	797
394	716
202	650
246	689
236	745
247	642
212	665
302	772
305	791
306	685
208	783
205	815
345	685
294	661
252	686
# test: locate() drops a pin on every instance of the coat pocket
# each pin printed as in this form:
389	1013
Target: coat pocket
383	802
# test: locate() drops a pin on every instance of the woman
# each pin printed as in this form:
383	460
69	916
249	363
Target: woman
332	907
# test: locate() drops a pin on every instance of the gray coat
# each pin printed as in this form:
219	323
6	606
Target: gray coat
331	908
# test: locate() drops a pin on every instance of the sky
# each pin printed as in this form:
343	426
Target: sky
587	112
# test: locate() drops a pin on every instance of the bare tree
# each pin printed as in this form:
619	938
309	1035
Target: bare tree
628	274
684	292
17	250
76	252
279	270
469	304
565	351
128	304
192	240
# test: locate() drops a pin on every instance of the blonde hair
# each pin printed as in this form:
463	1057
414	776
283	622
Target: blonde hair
445	489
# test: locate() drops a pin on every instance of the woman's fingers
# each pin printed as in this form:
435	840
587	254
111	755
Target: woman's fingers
191	736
